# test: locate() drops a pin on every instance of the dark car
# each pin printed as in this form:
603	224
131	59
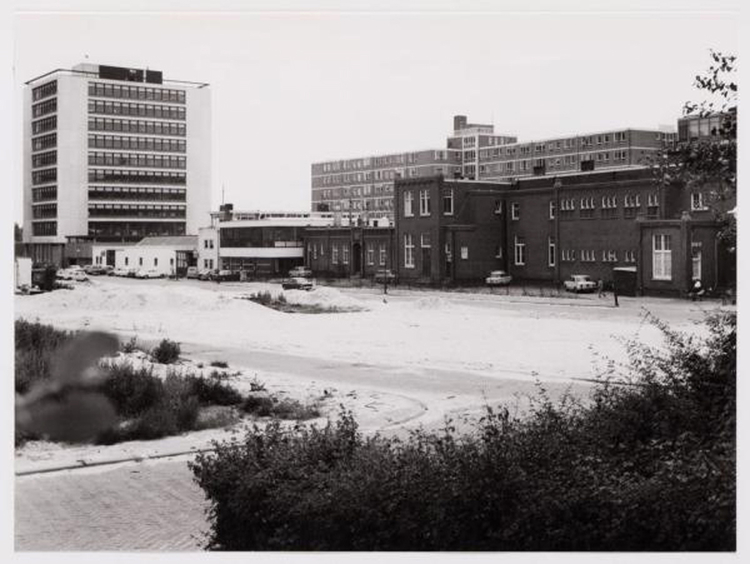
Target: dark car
298	283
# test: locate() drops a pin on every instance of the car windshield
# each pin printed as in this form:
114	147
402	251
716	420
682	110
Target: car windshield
582	278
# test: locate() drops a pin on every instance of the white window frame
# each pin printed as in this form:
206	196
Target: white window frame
345	254
424	203
448	196
552	208
382	254
661	249
698	205
408	204
515	211
551	252
334	254
519	252
408	251
697	261
464	253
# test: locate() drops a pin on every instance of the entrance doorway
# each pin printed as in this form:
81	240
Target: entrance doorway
357	259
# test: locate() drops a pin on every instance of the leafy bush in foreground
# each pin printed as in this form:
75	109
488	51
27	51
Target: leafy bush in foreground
644	467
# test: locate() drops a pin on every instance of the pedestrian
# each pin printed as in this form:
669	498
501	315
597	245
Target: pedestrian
696	293
600	287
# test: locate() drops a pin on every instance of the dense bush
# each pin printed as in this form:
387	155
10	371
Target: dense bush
263	405
35	345
219	364
648	466
166	352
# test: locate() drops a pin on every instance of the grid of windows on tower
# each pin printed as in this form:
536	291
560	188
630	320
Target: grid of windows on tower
139	110
44	90
44	211
44	176
44	159
44	142
119	230
44	108
44	228
137	143
137	210
137	177
137	126
42	125
44	193
104	90
146	160
136	193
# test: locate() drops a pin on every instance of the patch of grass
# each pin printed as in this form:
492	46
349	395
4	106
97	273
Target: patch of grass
280	303
166	352
262	405
219	364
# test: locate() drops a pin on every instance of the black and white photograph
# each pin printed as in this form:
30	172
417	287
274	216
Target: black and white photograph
346	280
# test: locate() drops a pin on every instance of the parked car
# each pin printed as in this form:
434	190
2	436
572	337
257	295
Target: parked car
97	269
384	275
64	274
580	283
225	276
300	272
192	272
498	278
124	271
297	283
206	274
79	275
148	273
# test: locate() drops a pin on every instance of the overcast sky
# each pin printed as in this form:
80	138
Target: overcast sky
292	89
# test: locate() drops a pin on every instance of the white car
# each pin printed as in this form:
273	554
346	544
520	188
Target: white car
580	283
79	276
498	278
148	273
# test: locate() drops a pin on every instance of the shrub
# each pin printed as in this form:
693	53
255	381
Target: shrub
132	391
259	405
130	346
166	352
35	344
219	364
214	392
649	466
256	385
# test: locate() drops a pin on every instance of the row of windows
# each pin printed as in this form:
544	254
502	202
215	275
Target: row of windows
137	126
42	125
588	205
340	252
44	176
357	164
44	193
137	176
45	90
119	230
44	142
44	108
425	203
140	110
44	211
44	159
44	228
136	92
133	193
146	160
137	143
588	255
140	261
125	210
511	165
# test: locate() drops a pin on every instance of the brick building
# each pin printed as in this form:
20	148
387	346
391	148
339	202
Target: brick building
545	229
357	251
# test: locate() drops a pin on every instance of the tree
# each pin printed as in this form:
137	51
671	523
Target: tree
710	162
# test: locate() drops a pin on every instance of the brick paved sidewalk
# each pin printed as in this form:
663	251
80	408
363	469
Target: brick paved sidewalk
150	506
